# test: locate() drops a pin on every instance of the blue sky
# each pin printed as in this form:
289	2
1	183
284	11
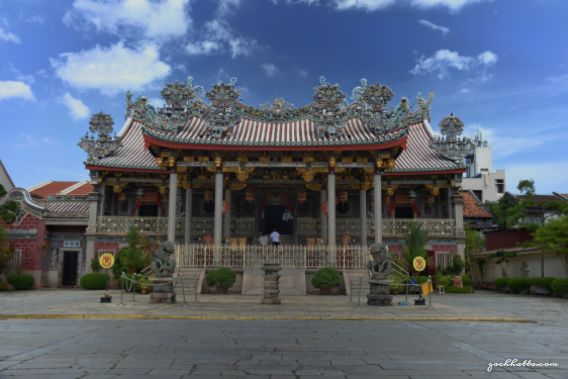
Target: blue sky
501	66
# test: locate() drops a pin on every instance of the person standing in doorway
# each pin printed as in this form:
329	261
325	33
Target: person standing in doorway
275	236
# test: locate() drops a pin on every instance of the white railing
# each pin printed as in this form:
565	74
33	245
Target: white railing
289	256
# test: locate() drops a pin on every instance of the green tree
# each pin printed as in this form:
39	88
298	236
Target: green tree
135	257
508	212
553	237
414	244
474	243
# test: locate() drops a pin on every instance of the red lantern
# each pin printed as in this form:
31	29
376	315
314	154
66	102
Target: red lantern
302	196
249	196
325	207
342	196
226	207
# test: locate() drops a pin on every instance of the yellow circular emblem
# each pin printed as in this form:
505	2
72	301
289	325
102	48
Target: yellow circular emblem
419	264
106	260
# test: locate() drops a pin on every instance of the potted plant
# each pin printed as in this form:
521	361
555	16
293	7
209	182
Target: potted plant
326	279
222	279
457	268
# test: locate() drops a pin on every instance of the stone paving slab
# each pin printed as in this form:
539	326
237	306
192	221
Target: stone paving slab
84	304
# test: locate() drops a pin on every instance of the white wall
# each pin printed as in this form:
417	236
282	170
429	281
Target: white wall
553	267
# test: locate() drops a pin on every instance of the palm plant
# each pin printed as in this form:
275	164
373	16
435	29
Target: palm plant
414	244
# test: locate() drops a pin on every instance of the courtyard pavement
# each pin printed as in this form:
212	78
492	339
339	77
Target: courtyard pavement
68	334
481	306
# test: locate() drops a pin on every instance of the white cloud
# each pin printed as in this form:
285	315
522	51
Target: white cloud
168	18
77	108
202	47
218	37
113	69
377	5
430	25
29	140
303	73
6	36
15	89
269	69
444	60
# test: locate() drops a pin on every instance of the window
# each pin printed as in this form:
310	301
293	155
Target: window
500	185
443	259
16	260
478	194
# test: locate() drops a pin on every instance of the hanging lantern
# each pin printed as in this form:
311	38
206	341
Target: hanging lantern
435	191
302	196
208	196
390	191
226	207
249	196
342	196
325	207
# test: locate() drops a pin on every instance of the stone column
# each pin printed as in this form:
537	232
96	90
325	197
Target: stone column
331	217
378	208
188	211
363	211
323	216
227	216
450	215
172	198
103	199
218	224
458	214
91	231
457	200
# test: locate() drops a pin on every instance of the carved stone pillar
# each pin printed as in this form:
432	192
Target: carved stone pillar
227	217
331	216
323	216
363	212
378	208
188	211
172	206
90	232
457	200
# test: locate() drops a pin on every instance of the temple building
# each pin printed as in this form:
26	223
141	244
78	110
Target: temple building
207	169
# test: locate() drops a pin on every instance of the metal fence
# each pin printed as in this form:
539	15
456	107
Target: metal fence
289	256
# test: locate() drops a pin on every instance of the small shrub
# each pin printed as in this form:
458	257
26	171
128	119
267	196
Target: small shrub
443	280
326	278
457	264
222	277
560	287
4	286
518	285
501	283
465	289
21	281
466	280
93	281
421	279
545	283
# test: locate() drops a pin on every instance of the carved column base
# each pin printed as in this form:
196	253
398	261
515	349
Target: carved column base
379	293
162	291
271	283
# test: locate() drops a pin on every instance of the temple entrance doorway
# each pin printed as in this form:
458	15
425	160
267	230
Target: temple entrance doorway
70	265
273	219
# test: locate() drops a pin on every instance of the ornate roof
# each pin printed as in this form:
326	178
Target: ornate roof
217	120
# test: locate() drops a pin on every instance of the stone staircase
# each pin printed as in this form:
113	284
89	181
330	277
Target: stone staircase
192	279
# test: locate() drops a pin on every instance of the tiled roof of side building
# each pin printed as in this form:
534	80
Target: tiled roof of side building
44	190
472	208
418	156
